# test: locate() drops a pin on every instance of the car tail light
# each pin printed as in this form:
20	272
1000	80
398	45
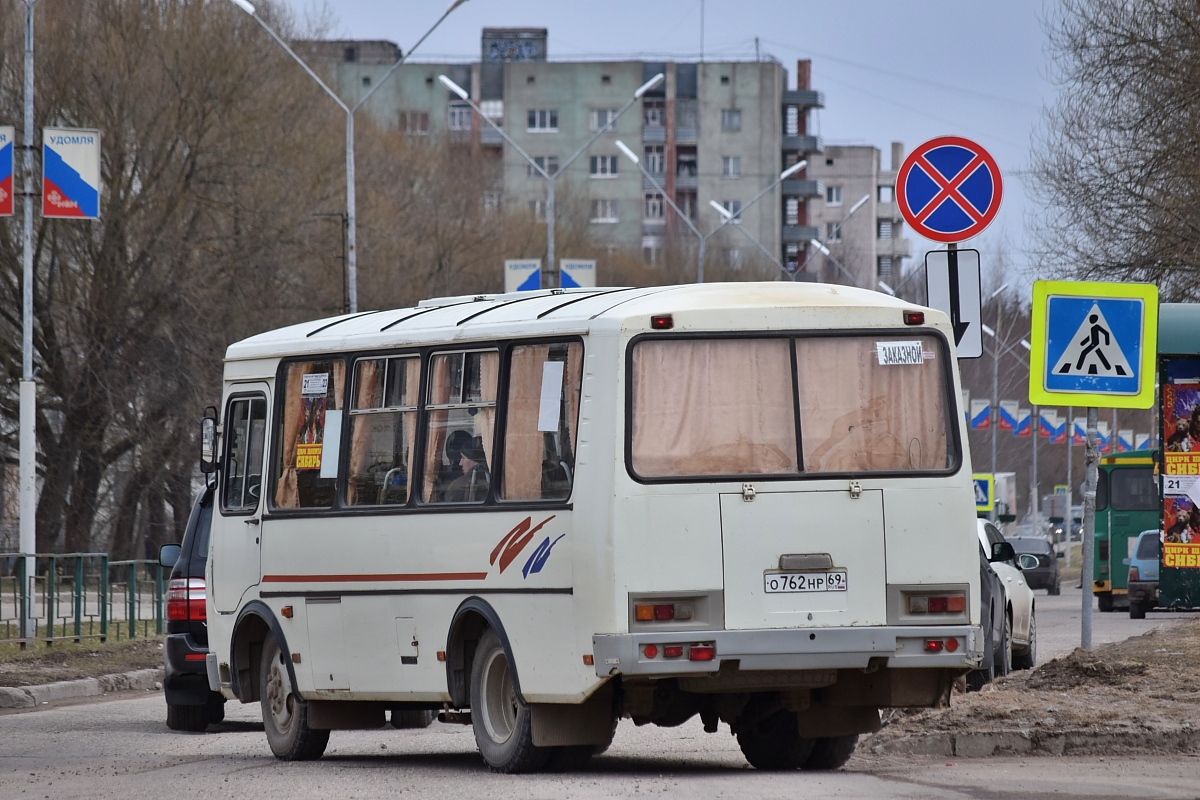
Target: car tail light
934	645
185	600
1135	574
663	612
702	652
673	651
914	317
937	604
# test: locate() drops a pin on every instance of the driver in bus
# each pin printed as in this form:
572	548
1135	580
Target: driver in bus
472	485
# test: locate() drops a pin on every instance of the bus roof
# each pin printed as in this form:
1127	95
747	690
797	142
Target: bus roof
782	305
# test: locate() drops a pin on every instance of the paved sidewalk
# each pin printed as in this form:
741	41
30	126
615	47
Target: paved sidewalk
34	696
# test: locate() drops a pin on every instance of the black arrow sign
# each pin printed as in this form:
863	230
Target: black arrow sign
960	327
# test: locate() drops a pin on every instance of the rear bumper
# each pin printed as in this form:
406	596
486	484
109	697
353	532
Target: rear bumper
789	649
185	681
1144	592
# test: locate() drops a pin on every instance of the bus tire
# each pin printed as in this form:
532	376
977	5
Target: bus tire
285	714
830	752
775	743
1105	600
502	721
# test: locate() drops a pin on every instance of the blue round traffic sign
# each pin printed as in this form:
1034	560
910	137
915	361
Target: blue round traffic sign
949	189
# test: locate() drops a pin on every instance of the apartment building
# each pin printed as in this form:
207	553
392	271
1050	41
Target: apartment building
713	131
865	242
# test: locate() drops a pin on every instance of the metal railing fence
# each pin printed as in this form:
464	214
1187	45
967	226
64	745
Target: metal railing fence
76	596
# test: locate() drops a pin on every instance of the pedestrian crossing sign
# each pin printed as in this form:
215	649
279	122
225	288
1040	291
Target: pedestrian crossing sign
1093	344
985	491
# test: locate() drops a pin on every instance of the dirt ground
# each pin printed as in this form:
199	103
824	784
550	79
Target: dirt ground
1144	684
69	661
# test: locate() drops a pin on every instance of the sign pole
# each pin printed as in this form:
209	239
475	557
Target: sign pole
27	469
1089	528
1070	482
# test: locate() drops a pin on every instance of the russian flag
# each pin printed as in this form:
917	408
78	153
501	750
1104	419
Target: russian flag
1141	441
6	176
1047	423
1060	432
1124	440
981	414
1008	415
1024	422
1079	431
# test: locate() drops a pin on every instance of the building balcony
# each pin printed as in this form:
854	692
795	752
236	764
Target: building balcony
687	135
655	134
650	187
799	234
805	98
801	144
686	181
897	248
800	187
489	135
654	227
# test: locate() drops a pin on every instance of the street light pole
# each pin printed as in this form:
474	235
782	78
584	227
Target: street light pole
351	200
27	437
824	250
465	96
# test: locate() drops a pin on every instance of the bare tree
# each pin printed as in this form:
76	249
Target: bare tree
1117	165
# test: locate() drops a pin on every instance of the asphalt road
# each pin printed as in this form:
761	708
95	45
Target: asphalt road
1059	624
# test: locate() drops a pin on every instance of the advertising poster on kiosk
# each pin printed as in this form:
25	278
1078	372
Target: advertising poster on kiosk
1181	463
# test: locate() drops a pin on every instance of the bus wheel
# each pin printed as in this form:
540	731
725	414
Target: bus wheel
775	743
831	752
503	723
1106	601
285	714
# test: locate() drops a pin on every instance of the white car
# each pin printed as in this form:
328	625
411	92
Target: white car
1020	623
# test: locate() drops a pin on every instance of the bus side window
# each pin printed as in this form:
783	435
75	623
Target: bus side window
309	433
245	424
541	421
461	400
383	430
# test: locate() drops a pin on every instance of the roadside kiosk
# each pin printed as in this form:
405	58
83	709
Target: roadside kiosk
1179	415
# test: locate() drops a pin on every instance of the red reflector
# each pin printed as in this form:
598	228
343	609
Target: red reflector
664	611
933	645
939	605
662	322
673	651
194	657
956	603
702	652
650	651
914	317
951	645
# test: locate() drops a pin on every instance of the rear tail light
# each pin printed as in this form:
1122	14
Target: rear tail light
1135	574
934	645
663	612
937	604
185	600
702	652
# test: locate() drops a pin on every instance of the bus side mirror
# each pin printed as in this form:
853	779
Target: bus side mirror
208	441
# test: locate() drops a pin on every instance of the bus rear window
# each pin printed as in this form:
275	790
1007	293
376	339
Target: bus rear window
1133	489
712	407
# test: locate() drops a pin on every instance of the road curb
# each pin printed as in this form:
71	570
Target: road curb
33	696
1041	743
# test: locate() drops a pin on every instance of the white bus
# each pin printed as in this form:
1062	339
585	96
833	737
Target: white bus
542	512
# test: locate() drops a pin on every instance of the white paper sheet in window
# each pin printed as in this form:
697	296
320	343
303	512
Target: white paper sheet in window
551	402
331	446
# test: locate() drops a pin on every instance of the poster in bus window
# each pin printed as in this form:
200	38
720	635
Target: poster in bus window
314	391
1181	464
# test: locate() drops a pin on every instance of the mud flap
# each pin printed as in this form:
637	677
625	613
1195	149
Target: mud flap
562	724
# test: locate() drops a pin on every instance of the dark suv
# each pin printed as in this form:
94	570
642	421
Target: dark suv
191	706
1045	573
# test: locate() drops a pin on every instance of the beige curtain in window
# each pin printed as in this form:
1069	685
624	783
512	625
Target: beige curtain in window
435	440
485	420
713	407
522	440
574	378
368	375
408	419
860	416
286	493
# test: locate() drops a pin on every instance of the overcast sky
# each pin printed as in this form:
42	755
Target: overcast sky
900	70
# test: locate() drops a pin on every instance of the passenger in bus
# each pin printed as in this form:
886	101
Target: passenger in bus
451	470
472	485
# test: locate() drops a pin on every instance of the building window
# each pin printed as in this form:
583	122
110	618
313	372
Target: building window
685	166
414	123
548	163
731	120
654	206
731	166
656	162
724	80
687	204
491	202
543	120
493	110
350	55
833	195
366	81
885	267
651	250
885	229
458	117
686	114
601	118
538	209
653	112
604	211
886	194
606	80
791	256
833	231
791	124
733	258
602	166
734	207
791	211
